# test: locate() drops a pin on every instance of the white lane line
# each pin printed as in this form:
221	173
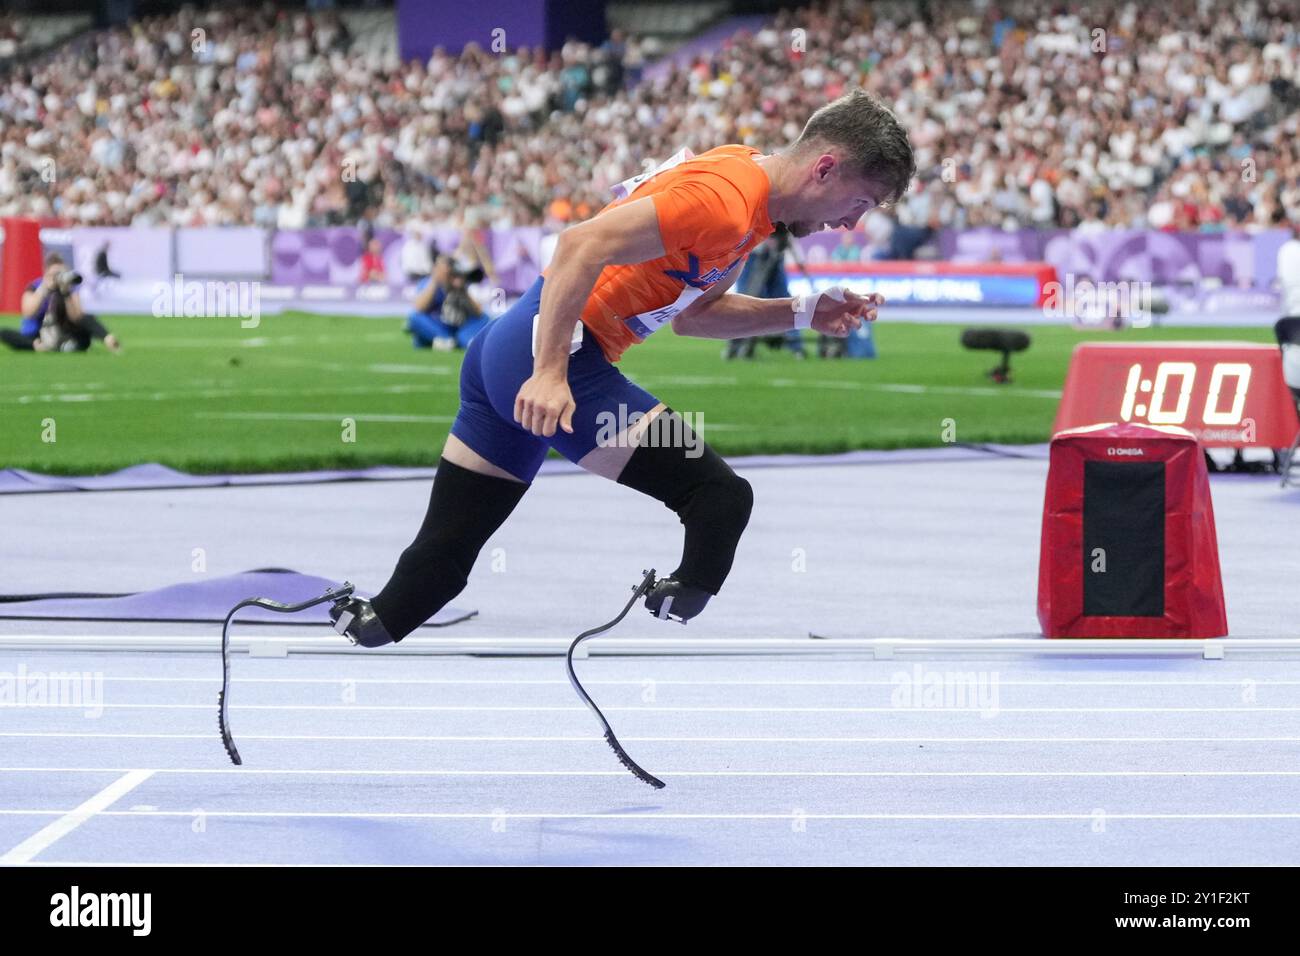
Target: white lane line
906	389
392	368
381	368
226	393
665	709
655	381
72	819
639	682
242	771
652	816
582	738
208	864
56	386
537	709
327	417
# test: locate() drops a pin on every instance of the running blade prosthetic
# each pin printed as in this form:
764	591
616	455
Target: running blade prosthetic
638	592
338	595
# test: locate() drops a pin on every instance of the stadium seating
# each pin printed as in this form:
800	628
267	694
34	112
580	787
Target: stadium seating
27	35
670	21
1180	116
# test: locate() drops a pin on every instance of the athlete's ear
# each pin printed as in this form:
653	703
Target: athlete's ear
823	167
625	234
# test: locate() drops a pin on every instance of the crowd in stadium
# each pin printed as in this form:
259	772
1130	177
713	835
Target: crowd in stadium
1180	115
11	35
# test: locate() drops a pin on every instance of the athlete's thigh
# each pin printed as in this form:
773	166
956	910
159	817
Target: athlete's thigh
609	460
610	411
494	369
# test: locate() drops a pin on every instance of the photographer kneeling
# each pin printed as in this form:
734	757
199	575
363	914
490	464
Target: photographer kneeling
53	319
445	315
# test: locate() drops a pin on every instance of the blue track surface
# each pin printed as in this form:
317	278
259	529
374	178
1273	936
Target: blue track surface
350	760
813	759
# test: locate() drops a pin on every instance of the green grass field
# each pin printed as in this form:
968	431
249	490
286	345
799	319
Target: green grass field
205	395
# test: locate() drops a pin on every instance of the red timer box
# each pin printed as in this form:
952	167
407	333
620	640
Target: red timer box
1128	544
1227	394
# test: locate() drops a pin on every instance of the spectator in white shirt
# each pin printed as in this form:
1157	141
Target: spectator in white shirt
1288	274
417	260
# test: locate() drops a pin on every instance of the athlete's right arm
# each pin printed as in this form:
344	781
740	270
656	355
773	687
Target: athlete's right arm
31	299
625	234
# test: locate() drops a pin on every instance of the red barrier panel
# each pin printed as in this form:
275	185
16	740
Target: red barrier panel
21	262
1128	543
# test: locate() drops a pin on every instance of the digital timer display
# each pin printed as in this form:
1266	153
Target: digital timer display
1229	394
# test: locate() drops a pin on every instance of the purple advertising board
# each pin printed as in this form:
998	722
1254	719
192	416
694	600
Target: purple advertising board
1238	259
327	256
1203	273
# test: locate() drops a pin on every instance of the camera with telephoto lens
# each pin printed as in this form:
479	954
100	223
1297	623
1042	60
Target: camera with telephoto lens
67	280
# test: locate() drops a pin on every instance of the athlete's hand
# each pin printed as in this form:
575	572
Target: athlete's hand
543	402
840	319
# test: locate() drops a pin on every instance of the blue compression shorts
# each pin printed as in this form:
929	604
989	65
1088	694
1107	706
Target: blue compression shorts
500	359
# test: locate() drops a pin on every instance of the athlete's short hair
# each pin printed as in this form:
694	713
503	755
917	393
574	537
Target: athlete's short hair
870	134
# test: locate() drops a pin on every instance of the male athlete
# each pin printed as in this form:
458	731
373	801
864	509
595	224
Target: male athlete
542	375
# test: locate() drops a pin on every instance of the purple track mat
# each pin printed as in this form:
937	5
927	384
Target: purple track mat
157	477
208	600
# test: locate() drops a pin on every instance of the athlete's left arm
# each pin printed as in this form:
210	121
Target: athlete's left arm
742	316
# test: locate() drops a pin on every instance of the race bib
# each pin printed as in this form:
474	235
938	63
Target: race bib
647	322
628	186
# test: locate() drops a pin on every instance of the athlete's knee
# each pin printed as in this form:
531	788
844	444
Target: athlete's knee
712	501
672	464
723	499
714	508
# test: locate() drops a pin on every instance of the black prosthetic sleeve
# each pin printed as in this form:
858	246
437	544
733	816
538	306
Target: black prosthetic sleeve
465	509
675	466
